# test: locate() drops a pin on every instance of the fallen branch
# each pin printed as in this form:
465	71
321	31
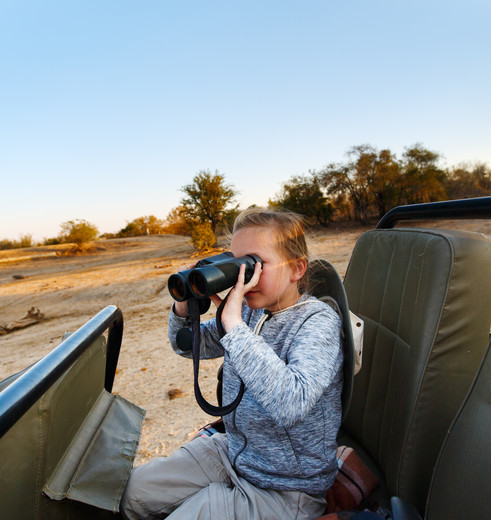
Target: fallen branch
33	316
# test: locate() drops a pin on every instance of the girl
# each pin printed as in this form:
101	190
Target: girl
278	456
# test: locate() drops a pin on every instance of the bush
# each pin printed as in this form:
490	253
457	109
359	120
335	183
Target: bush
24	241
141	226
202	236
78	232
208	199
52	241
7	244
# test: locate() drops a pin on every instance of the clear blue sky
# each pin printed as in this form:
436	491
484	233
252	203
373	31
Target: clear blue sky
109	107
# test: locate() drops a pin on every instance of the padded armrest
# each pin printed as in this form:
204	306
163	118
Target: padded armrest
402	510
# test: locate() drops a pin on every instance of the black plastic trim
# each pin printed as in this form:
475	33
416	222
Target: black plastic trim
460	209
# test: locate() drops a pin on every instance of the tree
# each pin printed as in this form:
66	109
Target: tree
176	222
78	232
304	195
208	199
466	181
375	181
385	185
422	180
353	179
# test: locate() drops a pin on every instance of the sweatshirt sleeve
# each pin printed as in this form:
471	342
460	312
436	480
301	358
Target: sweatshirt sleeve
288	390
210	346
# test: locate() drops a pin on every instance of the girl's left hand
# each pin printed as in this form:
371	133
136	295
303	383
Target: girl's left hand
232	312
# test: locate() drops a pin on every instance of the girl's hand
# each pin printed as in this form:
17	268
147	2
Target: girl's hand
232	312
181	308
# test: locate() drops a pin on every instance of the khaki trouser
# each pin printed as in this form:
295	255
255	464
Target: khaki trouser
198	482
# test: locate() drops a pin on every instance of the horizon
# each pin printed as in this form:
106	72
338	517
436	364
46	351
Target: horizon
109	109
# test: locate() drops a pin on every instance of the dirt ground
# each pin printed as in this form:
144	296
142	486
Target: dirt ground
131	274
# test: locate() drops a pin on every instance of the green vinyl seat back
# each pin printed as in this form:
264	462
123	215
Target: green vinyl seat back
424	296
461	484
69	454
461	487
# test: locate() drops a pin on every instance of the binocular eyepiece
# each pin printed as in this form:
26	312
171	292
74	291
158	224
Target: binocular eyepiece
210	276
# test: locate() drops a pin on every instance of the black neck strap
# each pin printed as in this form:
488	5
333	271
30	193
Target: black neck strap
194	314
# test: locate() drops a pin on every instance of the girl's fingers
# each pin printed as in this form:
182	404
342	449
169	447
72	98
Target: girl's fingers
216	300
181	309
186	267
241	278
255	277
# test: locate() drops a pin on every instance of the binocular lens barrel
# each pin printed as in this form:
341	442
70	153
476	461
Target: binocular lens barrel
178	287
210	280
211	276
198	283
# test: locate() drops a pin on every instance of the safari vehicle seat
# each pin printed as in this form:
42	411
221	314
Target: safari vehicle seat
461	487
76	440
326	284
424	295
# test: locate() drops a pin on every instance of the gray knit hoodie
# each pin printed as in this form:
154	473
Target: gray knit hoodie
283	434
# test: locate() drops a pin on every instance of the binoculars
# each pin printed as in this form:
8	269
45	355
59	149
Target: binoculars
210	276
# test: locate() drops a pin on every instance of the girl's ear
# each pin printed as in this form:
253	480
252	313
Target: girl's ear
299	266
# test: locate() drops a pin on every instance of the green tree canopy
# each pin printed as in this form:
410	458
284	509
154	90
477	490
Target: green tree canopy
304	195
353	179
422	179
372	182
208	199
385	184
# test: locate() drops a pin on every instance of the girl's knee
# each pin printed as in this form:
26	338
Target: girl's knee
161	485
131	504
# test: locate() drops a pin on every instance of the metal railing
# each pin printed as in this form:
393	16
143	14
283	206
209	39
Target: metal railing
24	391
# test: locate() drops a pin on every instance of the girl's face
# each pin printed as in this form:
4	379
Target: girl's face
277	287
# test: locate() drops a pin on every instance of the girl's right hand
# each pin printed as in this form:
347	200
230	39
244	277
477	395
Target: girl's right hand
181	308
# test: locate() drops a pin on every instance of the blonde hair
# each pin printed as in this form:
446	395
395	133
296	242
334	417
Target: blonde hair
289	228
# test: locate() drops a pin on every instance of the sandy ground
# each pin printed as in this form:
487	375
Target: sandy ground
131	274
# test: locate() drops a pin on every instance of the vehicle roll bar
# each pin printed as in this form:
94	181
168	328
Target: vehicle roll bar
460	209
24	391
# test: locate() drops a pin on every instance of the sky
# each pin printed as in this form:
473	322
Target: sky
109	107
